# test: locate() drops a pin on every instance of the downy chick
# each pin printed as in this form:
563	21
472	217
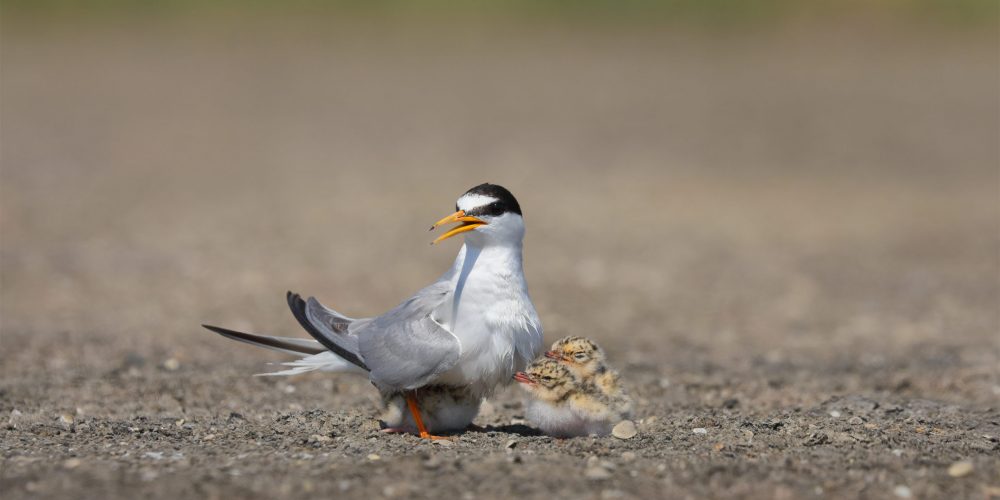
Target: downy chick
587	361
563	405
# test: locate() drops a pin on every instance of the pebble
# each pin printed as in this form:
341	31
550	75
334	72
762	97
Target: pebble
629	456
172	364
447	443
511	444
699	430
597	473
72	463
374	457
66	419
960	469
835	414
902	491
855	420
624	430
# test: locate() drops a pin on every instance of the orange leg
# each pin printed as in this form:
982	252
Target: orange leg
411	402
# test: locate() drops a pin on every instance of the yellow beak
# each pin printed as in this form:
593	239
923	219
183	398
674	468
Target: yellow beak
468	224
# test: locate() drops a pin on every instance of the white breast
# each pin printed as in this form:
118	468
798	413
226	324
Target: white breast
493	318
556	420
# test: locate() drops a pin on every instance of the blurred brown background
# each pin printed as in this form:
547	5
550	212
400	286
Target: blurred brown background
776	203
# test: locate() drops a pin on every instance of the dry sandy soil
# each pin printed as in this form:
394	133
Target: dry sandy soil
788	239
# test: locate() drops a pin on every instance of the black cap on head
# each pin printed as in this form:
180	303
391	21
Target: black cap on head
502	201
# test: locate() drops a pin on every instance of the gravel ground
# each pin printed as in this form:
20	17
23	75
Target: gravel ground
787	243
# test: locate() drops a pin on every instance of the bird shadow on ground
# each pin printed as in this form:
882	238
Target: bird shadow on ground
519	429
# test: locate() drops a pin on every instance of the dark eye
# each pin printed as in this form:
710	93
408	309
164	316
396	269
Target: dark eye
581	356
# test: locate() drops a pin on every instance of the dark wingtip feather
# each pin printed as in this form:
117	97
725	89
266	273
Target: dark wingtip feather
216	329
298	307
262	340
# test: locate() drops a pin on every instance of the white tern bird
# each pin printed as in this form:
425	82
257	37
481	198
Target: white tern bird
435	356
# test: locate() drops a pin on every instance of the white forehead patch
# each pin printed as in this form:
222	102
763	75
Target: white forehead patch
469	201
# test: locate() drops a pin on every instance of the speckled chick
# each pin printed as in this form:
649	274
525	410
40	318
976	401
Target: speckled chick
587	361
562	405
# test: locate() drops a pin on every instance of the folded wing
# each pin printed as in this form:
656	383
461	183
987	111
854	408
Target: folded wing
403	349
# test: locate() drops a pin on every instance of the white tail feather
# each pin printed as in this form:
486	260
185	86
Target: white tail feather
324	361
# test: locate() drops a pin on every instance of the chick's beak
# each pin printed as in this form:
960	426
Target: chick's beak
468	223
523	378
555	355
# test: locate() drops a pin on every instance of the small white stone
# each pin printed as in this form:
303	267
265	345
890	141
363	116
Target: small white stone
960	469
898	452
374	457
835	414
172	364
902	491
699	430
624	430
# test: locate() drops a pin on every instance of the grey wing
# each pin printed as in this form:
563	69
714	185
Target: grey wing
406	348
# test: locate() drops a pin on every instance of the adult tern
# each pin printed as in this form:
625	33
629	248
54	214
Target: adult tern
435	356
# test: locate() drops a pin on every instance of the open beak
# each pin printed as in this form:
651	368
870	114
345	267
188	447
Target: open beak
468	223
523	378
555	355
